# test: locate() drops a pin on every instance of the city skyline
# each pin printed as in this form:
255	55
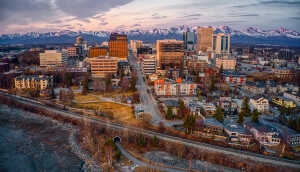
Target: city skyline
44	16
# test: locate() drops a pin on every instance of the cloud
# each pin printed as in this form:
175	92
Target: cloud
140	18
156	16
88	8
25	11
189	15
136	24
243	15
103	24
295	18
65	25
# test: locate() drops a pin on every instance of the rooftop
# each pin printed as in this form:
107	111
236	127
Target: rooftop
172	103
212	122
232	126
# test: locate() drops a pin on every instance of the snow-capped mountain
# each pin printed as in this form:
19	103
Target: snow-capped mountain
250	35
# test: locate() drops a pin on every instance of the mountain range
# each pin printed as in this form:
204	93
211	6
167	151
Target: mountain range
250	35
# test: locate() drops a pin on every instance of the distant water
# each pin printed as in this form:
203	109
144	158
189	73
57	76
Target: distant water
32	143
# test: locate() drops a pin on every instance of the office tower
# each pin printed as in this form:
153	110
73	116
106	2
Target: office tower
103	65
170	53
53	58
144	50
188	39
204	39
97	51
221	44
118	46
148	64
80	42
135	44
74	52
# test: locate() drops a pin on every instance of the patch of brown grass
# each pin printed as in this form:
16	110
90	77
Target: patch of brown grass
85	98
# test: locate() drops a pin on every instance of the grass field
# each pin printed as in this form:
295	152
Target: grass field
78	97
122	113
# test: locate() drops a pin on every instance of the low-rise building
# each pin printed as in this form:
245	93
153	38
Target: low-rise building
194	66
53	58
263	134
174	73
236	132
172	103
228	63
254	87
233	77
174	89
259	103
293	95
209	125
283	101
103	65
33	82
228	106
283	73
149	64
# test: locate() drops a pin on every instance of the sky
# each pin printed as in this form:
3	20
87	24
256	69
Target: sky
22	16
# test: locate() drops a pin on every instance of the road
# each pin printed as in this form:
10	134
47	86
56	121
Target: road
203	146
145	97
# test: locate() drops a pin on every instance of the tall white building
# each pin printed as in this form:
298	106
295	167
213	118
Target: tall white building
149	64
221	43
53	58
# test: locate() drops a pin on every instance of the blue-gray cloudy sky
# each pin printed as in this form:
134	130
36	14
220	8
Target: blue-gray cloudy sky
23	16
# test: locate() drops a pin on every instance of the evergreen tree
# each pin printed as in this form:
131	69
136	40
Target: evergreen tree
155	141
235	67
169	114
245	107
221	69
212	84
141	140
241	118
181	109
219	115
255	116
189	123
133	84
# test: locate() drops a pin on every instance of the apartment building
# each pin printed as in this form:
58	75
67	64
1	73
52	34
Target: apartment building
204	39
148	64
53	58
196	65
227	62
221	44
170	53
118	46
283	101
97	51
103	65
174	89
293	95
283	73
236	132
33	82
259	103
233	77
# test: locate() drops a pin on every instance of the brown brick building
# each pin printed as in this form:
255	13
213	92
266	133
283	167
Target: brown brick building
103	65
196	65
97	51
118	46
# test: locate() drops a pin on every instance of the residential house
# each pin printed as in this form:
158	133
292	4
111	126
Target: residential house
207	109
292	87
228	106
254	88
233	77
282	88
259	103
293	95
192	103
173	103
263	134
210	125
288	135
236	132
33	82
174	89
271	87
283	101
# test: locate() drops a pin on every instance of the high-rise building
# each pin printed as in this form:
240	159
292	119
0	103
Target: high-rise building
97	51
204	39
118	46
74	51
80	42
53	58
148	64
135	44
103	65
170	53
221	44
188	39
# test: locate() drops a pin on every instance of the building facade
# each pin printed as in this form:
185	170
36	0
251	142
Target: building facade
174	89
118	46
148	64
97	51
196	65
283	73
33	82
74	52
259	103
103	65
221	44
188	39
170	53
228	63
53	58
232	77
135	44
293	95
204	39
283	101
